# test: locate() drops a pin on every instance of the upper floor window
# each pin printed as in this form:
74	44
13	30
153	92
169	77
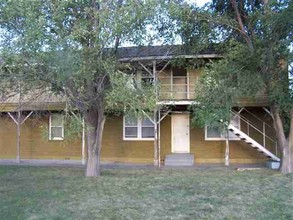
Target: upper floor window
147	79
137	129
56	127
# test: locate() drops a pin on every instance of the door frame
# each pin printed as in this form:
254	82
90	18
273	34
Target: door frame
172	126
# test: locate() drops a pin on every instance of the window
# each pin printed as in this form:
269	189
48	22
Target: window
147	79
137	129
144	78
180	84
56	128
215	134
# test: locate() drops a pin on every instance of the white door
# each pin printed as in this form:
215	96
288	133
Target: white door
180	133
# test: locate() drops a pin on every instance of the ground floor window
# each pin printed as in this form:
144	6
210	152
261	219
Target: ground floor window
137	129
56	127
214	133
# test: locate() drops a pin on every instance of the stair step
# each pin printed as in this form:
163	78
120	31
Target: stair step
180	156
167	163
179	159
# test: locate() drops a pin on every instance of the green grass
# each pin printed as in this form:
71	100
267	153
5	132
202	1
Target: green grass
64	193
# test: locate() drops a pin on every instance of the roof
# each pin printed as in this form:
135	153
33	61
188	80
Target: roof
162	52
33	100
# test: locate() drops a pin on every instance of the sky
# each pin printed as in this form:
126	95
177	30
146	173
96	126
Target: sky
198	2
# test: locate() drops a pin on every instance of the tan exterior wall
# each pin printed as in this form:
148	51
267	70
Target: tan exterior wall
115	149
210	151
33	144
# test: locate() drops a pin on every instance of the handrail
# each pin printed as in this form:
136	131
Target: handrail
249	120
249	123
257	117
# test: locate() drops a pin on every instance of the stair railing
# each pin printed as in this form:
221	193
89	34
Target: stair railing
250	126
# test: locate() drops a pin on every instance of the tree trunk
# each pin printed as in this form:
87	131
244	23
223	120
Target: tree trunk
286	166
95	120
284	144
287	163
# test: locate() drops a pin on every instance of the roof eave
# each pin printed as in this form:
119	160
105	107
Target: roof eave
200	56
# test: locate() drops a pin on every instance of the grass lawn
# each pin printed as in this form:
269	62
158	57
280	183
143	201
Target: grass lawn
64	193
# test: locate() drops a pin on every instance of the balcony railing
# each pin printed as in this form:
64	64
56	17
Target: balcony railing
177	87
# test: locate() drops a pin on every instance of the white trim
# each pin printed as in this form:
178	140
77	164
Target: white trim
50	127
139	131
180	102
138	139
171	57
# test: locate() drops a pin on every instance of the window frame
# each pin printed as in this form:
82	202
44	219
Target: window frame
50	128
222	136
139	127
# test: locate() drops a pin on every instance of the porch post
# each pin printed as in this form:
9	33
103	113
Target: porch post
83	160
159	138
156	163
18	121
156	160
227	151
18	137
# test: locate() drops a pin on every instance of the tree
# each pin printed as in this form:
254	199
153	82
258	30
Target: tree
71	48
254	38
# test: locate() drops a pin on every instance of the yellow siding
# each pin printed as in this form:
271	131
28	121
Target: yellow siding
117	150
34	146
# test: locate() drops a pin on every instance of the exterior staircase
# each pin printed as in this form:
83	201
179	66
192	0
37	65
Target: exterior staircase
179	159
253	143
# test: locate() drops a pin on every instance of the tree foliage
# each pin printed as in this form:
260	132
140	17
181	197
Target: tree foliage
256	55
71	48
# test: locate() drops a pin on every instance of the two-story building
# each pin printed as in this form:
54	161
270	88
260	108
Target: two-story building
127	139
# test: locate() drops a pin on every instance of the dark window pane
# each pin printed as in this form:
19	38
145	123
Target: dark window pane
213	132
131	132
147	132
56	133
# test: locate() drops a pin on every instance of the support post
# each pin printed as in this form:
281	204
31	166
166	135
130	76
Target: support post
227	151
247	128
264	134
159	138
18	137
83	159
156	159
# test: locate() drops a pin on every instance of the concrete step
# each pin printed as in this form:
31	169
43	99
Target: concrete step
179	159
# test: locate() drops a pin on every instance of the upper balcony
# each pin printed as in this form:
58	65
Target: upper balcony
177	83
177	86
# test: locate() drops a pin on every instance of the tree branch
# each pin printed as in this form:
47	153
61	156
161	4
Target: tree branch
241	25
